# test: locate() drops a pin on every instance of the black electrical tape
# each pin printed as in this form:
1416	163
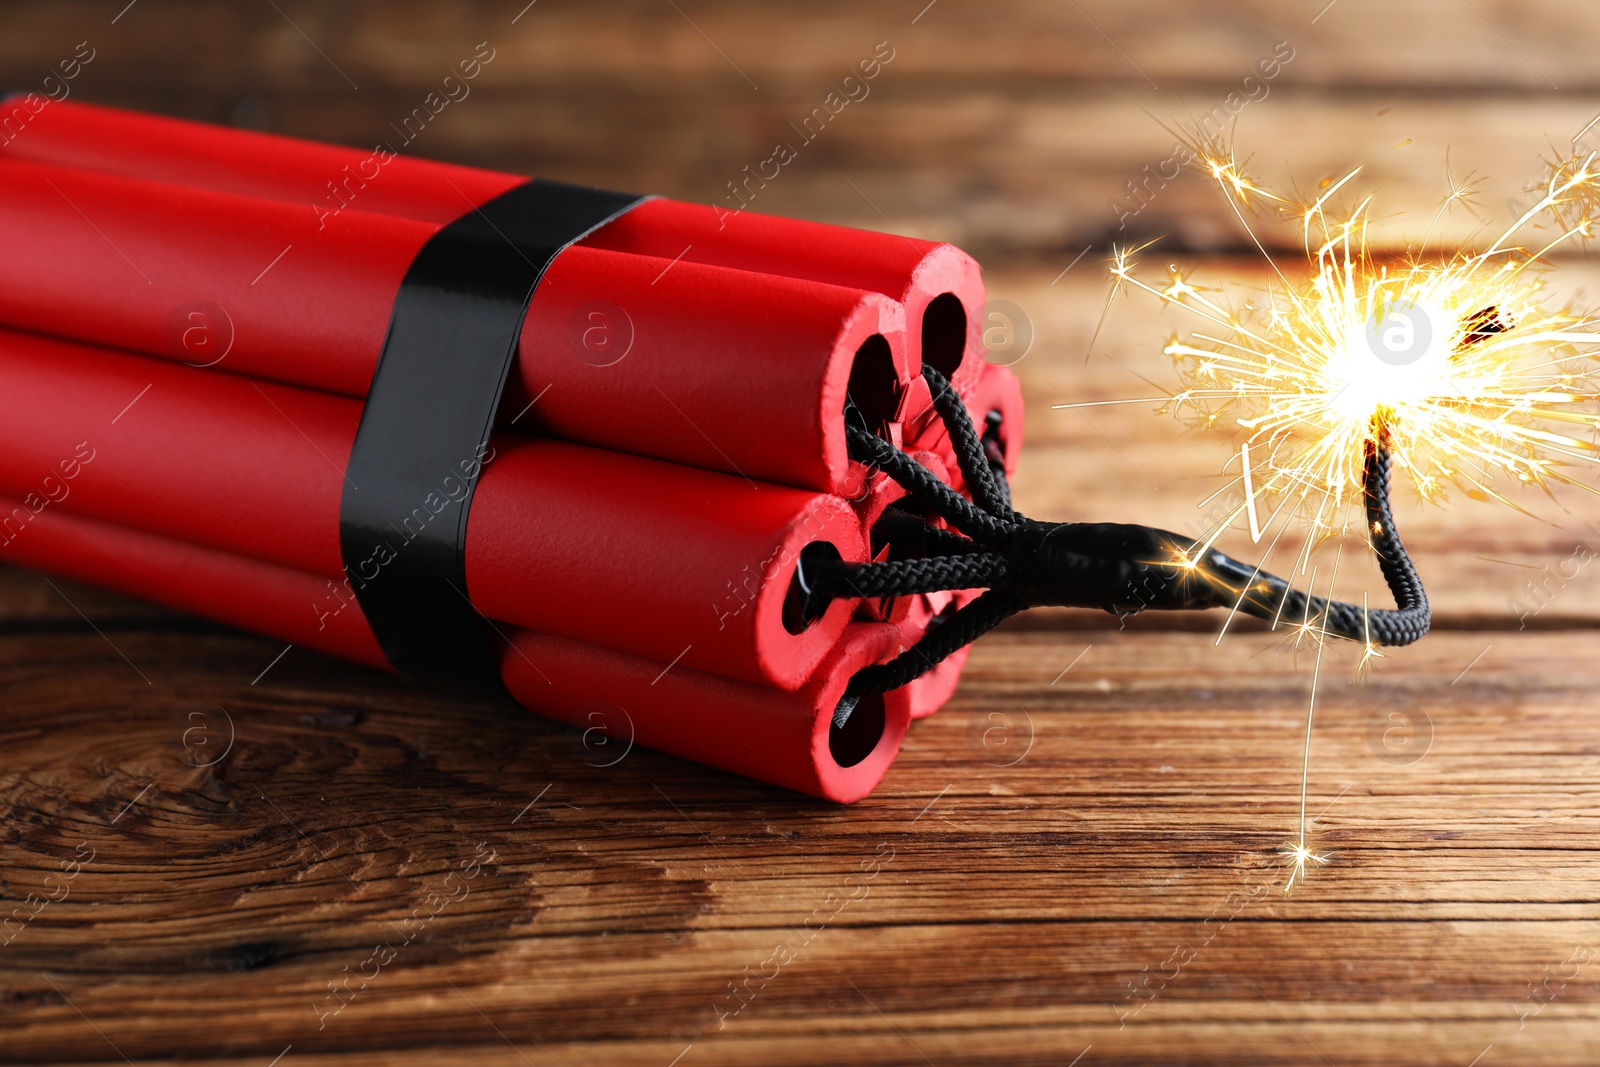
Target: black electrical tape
424	433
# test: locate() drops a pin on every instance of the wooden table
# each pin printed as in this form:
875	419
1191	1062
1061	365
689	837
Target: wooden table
244	854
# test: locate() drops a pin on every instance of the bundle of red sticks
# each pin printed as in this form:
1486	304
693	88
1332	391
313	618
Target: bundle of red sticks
204	338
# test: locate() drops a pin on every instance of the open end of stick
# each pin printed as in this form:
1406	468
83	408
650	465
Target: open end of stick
800	609
874	389
994	441
859	736
944	333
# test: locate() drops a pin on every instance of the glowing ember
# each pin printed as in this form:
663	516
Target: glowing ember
1450	361
1452	358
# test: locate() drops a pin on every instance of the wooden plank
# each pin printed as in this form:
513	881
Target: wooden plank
1162	773
1505	47
30	604
1014	130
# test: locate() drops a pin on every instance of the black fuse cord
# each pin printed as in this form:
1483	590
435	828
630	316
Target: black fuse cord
1121	568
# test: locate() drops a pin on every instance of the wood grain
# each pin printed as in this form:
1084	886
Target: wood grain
1009	128
1078	857
1154	782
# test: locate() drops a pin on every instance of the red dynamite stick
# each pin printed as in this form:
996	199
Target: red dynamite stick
995	404
779	737
996	393
263	598
879	497
322	178
660	560
882	492
930	692
699	364
939	285
913	615
783	738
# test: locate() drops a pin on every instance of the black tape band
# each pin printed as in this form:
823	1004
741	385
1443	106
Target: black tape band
425	429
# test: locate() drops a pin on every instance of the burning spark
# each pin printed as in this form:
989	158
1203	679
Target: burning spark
1299	853
1453	360
1296	857
1369	651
